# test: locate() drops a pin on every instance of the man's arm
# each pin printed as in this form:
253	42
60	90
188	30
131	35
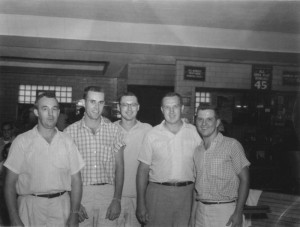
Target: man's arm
237	217
114	209
76	194
11	198
142	178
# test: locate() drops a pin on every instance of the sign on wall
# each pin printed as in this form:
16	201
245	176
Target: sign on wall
194	73
261	77
291	78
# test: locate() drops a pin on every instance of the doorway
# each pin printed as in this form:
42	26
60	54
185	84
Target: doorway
150	99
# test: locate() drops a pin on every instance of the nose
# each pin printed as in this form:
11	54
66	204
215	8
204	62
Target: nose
50	112
129	106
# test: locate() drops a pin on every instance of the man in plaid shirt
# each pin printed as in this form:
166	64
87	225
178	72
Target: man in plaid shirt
101	145
222	175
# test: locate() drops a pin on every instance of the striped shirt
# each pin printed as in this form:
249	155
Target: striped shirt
217	169
97	150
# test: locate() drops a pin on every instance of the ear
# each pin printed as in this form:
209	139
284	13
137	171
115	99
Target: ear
35	111
218	122
138	108
182	108
161	109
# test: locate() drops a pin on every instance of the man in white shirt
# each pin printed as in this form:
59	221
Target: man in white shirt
165	177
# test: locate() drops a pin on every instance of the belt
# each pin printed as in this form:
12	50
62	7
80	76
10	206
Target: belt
50	196
98	184
213	203
175	184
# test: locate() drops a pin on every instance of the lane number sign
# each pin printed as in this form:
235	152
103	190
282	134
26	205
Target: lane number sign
261	77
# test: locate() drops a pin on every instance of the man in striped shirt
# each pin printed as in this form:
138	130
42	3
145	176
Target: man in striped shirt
101	145
222	175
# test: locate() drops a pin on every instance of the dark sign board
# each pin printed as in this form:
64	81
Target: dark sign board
194	73
291	78
261	77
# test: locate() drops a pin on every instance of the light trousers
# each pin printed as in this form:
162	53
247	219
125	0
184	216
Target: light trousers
44	212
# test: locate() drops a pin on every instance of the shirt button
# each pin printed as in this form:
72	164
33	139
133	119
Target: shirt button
95	152
95	166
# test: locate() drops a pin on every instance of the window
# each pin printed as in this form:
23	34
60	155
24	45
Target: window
201	98
28	93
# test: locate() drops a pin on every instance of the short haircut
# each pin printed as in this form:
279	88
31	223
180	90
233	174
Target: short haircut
10	123
47	94
209	107
172	94
128	93
92	88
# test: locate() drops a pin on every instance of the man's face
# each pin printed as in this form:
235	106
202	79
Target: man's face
129	107
172	109
47	112
94	104
207	123
7	132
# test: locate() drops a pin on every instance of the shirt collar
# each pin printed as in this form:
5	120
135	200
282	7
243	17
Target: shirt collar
104	121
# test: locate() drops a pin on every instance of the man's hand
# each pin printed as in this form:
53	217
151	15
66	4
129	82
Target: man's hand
236	220
73	220
113	210
82	214
142	214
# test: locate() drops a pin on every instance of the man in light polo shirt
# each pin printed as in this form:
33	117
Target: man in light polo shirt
134	132
43	166
222	174
165	177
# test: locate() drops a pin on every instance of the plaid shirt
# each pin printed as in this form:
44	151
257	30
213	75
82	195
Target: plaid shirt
217	169
97	150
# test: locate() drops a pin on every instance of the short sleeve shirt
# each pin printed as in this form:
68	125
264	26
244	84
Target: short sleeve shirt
43	167
170	156
134	140
97	149
217	169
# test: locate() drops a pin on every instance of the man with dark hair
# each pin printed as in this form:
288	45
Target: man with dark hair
134	132
101	144
8	134
43	164
165	176
222	174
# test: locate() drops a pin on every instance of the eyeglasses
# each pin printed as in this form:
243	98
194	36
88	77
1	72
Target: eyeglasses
132	105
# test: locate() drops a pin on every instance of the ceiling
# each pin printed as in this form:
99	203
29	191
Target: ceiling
158	32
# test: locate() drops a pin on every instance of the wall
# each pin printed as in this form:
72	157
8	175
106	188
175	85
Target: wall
224	75
10	81
151	74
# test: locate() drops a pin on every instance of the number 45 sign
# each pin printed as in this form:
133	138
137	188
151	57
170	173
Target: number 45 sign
261	77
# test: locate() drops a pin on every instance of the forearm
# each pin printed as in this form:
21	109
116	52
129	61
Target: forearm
141	183
243	190
11	198
119	181
76	192
119	174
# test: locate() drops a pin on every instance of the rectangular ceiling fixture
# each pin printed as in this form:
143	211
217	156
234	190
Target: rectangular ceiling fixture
53	66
